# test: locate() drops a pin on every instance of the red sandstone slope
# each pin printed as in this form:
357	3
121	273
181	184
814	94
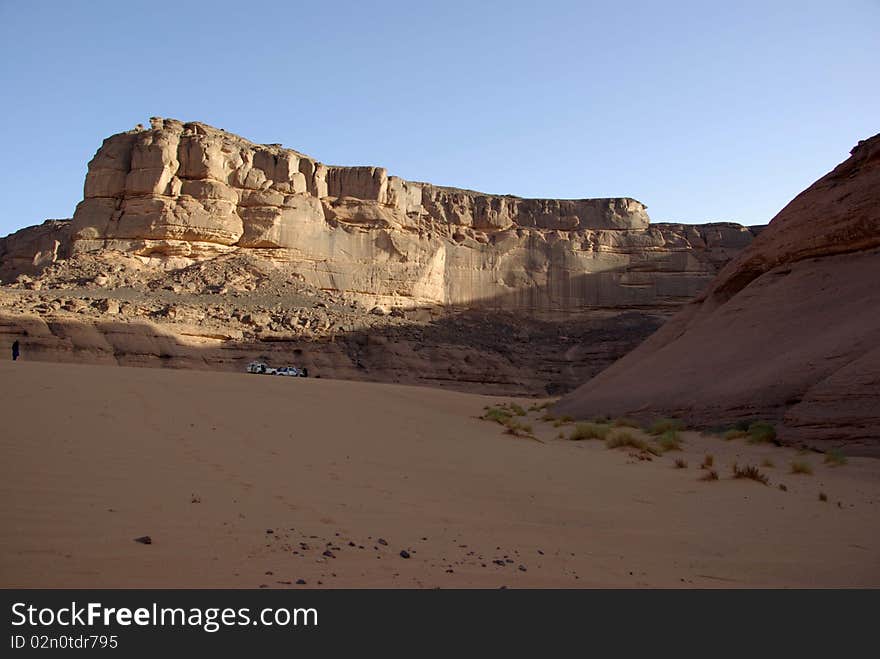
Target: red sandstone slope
787	331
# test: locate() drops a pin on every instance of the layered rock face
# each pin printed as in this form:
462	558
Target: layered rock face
181	192
194	247
788	331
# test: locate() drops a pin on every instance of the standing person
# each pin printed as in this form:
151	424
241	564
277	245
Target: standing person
15	350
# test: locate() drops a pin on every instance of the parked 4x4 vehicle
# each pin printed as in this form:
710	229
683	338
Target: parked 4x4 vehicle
293	371
259	368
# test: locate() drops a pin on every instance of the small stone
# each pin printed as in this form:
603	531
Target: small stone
144	540
382	541
301	582
404	553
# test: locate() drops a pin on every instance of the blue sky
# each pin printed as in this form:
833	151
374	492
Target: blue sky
704	111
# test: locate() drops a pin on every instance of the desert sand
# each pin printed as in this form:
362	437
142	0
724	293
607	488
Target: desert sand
246	481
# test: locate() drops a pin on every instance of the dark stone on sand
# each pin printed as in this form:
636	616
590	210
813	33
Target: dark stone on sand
144	540
404	553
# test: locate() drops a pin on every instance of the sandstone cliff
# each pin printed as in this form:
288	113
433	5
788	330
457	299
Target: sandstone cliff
788	331
183	192
196	247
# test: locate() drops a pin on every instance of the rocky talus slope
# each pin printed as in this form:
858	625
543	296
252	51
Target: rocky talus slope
788	331
193	246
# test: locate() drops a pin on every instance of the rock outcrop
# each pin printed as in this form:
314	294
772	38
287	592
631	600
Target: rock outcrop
30	250
196	247
788	331
182	192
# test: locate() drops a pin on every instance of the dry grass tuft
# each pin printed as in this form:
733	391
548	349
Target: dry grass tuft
801	467
750	472
589	431
761	432
681	464
835	458
624	439
661	426
708	461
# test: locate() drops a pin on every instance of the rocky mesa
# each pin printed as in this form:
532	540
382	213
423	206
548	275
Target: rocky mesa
181	192
259	250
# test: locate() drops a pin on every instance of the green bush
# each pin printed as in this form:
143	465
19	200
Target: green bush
496	414
669	441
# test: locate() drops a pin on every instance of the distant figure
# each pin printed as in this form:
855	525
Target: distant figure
15	350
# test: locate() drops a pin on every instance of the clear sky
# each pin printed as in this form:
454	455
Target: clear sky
704	111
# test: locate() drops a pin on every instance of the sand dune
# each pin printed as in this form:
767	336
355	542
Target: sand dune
206	464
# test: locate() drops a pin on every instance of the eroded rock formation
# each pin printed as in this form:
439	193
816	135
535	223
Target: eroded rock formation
184	192
788	331
196	247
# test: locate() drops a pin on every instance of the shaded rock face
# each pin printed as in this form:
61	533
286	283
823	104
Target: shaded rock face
30	250
183	192
788	331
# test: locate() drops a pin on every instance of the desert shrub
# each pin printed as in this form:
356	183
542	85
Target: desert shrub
761	432
708	461
625	422
537	407
548	417
514	427
767	463
710	475
680	464
589	431
624	439
496	414
800	467
517	409
823	496
835	458
734	433
783	487
750	472
669	441
661	426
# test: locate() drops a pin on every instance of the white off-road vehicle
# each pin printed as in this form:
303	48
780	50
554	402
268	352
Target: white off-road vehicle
292	371
259	368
